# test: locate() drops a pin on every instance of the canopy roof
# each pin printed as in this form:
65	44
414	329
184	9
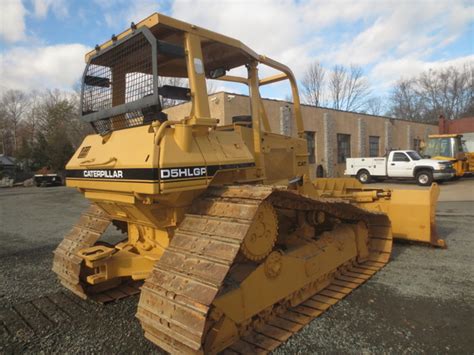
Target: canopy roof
219	51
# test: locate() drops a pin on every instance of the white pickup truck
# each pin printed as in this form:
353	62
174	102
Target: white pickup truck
400	164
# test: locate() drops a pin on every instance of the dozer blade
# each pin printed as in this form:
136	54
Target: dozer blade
411	212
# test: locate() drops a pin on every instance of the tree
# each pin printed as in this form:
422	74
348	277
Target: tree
39	153
58	113
348	88
4	131
14	105
405	101
374	106
41	128
31	119
313	84
336	86
448	91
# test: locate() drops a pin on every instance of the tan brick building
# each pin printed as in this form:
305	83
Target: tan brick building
332	135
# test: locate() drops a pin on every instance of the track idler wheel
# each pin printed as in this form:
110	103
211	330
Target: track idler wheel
262	234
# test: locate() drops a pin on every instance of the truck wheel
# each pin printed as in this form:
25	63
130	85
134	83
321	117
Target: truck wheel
363	176
424	178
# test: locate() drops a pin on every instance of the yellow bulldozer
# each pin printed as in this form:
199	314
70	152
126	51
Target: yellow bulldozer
229	243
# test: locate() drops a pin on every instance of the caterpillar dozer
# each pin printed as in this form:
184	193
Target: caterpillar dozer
230	244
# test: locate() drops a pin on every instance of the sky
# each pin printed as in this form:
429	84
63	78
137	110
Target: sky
43	42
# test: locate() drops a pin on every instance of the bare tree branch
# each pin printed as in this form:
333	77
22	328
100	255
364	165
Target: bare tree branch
374	106
348	88
336	86
14	105
447	91
356	89
313	85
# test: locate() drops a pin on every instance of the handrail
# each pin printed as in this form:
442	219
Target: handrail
159	134
273	79
294	89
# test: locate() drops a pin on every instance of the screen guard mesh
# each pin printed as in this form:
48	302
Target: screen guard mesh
119	88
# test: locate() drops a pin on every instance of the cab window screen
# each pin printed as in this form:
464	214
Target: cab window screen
121	75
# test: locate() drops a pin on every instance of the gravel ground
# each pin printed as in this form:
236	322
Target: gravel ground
422	301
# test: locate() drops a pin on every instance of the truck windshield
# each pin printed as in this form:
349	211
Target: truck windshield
414	155
439	147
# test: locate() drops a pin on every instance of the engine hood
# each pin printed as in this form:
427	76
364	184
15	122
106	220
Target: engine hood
432	162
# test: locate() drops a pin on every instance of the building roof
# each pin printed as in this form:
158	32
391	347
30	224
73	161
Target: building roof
6	160
323	108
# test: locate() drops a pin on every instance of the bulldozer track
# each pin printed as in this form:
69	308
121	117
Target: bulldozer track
266	338
69	266
176	298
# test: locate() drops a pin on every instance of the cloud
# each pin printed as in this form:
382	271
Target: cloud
274	28
42	7
141	9
58	66
299	32
12	21
389	38
415	28
13	16
360	32
118	14
320	14
408	67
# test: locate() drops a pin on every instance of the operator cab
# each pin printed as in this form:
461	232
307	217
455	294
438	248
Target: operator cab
129	80
132	78
449	146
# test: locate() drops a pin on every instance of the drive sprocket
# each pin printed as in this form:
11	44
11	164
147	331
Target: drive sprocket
262	234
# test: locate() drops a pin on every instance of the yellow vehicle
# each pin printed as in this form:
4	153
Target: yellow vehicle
470	161
231	243
468	148
448	147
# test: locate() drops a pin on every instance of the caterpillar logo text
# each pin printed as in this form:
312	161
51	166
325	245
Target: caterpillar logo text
107	174
182	173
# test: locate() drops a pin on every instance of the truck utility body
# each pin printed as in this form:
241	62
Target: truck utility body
400	164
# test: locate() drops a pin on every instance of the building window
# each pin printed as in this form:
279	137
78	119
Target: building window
311	142
343	147
416	144
374	146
